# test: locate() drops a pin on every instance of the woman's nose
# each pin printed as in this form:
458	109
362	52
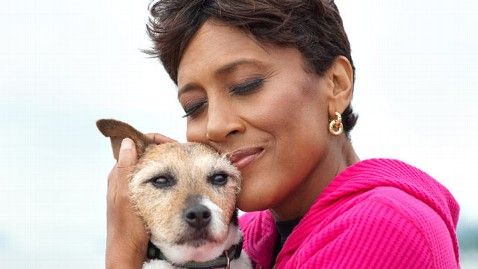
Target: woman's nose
222	122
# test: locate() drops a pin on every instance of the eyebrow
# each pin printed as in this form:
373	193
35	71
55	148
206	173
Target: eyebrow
224	70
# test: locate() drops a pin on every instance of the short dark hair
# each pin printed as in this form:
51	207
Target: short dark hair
314	27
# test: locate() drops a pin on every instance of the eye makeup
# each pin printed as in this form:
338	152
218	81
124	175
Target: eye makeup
194	107
248	86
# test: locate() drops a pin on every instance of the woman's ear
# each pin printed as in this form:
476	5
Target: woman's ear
118	130
341	79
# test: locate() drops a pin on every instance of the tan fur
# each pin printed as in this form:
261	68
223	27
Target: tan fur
162	210
191	164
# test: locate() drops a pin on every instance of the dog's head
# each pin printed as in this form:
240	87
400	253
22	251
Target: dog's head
185	193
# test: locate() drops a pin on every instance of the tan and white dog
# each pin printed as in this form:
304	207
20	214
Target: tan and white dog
186	195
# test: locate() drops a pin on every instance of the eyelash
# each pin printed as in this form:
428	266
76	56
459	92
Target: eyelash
240	89
247	87
194	108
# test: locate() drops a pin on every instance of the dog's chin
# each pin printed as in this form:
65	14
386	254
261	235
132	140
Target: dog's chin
196	238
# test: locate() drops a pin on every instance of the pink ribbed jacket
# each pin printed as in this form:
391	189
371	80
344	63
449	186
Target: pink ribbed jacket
377	213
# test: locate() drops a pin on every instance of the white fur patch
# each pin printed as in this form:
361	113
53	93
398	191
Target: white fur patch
217	226
243	262
184	253
157	264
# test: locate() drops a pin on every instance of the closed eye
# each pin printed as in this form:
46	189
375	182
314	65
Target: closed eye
193	109
248	86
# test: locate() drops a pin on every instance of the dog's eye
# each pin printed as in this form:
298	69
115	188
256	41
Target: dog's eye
162	181
219	179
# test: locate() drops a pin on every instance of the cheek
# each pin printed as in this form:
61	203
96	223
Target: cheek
160	210
195	131
297	124
288	109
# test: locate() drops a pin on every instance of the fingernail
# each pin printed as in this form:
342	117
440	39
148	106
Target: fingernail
126	144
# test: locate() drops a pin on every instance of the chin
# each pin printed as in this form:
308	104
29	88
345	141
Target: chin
254	202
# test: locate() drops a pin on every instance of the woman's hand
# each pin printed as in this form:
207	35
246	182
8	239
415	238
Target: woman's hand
127	238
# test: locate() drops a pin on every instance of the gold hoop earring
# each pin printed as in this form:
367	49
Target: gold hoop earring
336	126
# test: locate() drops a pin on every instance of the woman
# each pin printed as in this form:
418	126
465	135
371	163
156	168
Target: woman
270	83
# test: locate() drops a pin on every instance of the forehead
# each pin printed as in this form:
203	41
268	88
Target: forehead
179	159
177	152
215	45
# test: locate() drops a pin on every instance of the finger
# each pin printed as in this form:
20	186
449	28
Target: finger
119	176
159	138
127	155
127	160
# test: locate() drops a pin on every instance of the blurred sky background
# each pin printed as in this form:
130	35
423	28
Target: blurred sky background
65	64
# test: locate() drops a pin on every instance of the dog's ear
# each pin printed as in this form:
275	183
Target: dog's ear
118	130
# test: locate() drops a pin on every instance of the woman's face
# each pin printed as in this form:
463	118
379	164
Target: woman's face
258	104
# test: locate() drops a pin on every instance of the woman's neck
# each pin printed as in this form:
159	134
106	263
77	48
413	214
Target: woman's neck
340	156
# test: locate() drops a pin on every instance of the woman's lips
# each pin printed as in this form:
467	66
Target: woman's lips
241	158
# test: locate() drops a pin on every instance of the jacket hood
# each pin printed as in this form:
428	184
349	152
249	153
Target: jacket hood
369	174
359	178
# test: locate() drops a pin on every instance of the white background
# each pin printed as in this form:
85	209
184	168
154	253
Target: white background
65	64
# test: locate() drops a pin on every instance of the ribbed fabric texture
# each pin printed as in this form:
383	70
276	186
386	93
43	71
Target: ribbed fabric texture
378	213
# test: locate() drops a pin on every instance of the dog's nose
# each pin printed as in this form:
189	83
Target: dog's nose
198	216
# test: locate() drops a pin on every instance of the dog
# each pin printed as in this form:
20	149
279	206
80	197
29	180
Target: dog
186	195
